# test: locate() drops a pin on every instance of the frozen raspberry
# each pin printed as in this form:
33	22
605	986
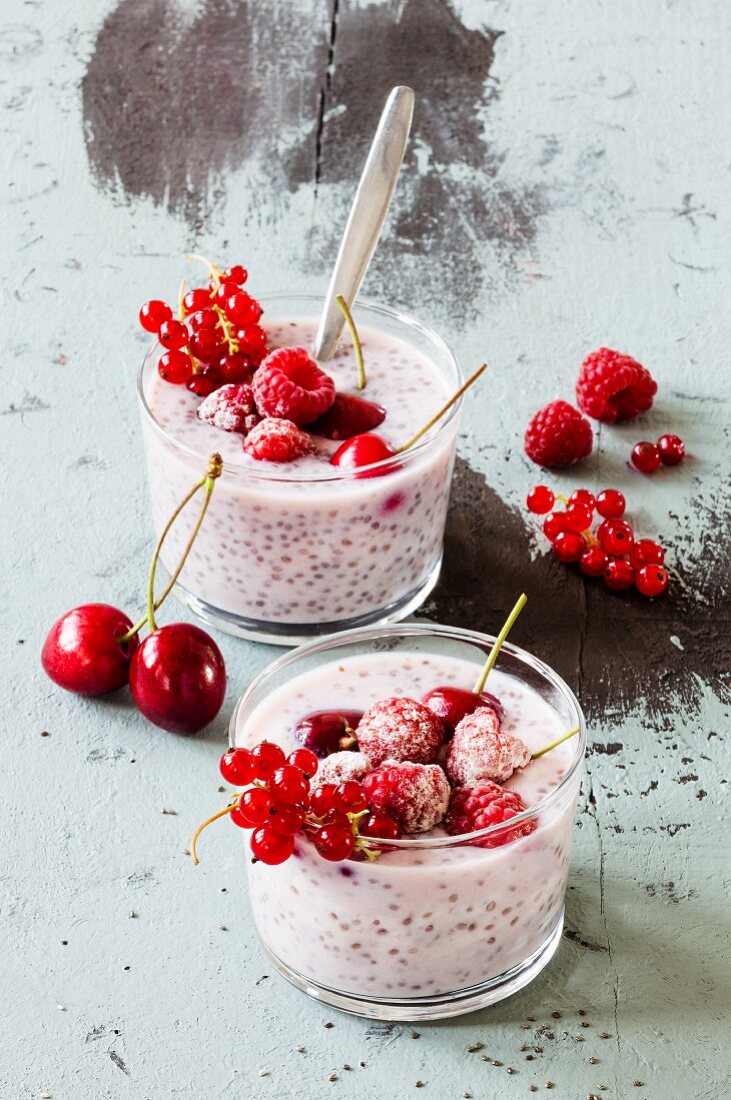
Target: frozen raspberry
339	767
481	750
230	408
277	441
400	729
558	435
289	384
416	796
612	386
473	808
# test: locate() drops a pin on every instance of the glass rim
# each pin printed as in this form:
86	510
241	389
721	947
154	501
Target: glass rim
240	469
478	639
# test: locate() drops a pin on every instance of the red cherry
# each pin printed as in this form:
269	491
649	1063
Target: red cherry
286	820
578	517
175	367
252	338
197	299
615	536
305	760
153	314
651	580
268	758
583	496
672	450
236	274
203	384
323	730
241	308
334	843
178	678
348	416
349	797
646	552
173	335
540	500
81	652
256	805
237	766
270	847
321	799
645	457
593	561
381	826
619	574
235	367
568	546
452	704
289	785
610	504
364	450
554	524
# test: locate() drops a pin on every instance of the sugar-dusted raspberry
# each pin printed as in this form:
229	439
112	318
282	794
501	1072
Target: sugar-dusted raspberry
400	729
558	435
481	750
289	384
230	408
612	386
474	808
278	441
339	767
416	796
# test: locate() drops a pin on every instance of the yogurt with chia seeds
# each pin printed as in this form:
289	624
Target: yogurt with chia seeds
436	916
290	550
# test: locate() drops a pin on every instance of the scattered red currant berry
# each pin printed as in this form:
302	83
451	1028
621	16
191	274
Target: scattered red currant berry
350	797
321	799
241	308
540	500
289	785
610	504
568	546
334	843
645	457
672	450
173	335
305	760
286	820
238	767
270	847
203	385
578	517
256	805
583	496
646	552
554	524
593	561
236	274
81	652
197	299
615	536
619	574
651	580
153	314
175	367
268	758
380	826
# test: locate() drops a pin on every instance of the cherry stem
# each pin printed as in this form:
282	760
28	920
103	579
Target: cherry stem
554	744
445	408
357	348
204	825
493	656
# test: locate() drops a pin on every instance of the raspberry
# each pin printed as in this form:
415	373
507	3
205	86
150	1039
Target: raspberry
289	384
416	796
473	808
342	766
558	435
230	408
278	441
612	386
481	750
400	729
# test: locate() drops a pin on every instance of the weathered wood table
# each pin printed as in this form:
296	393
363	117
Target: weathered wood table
566	186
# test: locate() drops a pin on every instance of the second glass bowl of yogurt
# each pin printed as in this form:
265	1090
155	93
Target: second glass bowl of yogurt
290	552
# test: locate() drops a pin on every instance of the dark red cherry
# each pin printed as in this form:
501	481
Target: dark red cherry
452	704
178	678
81	652
324	730
364	450
348	416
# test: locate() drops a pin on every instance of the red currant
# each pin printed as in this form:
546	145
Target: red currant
568	546
350	797
268	758
198	298
540	500
255	805
375	786
203	384
645	457
578	517
651	580
270	847
235	367
153	314
619	574
239	818
646	552
593	561
238	767
610	504
334	843
173	335
205	346
554	524
175	367
203	319
305	760
321	799
286	820
236	274
289	785
615	536
252	338
241	308
225	291
583	496
381	826
337	817
672	450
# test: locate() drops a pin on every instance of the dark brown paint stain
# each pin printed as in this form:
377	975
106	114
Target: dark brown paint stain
613	649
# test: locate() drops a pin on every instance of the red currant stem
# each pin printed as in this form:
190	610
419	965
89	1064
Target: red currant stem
204	825
233	346
445	408
213	270
181	295
357	348
554	744
370	851
493	656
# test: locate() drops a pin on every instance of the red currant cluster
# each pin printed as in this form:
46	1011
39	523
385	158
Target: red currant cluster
216	338
611	552
668	451
280	803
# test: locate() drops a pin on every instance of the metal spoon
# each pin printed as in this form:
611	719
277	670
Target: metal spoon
372	200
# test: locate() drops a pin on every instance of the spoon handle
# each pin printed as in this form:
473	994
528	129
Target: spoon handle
372	200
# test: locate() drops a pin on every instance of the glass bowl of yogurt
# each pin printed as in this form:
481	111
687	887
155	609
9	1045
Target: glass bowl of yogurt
438	925
299	550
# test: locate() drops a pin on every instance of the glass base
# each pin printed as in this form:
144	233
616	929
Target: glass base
293	634
430	1008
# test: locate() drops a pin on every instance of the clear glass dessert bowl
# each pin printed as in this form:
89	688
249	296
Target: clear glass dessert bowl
438	925
291	552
